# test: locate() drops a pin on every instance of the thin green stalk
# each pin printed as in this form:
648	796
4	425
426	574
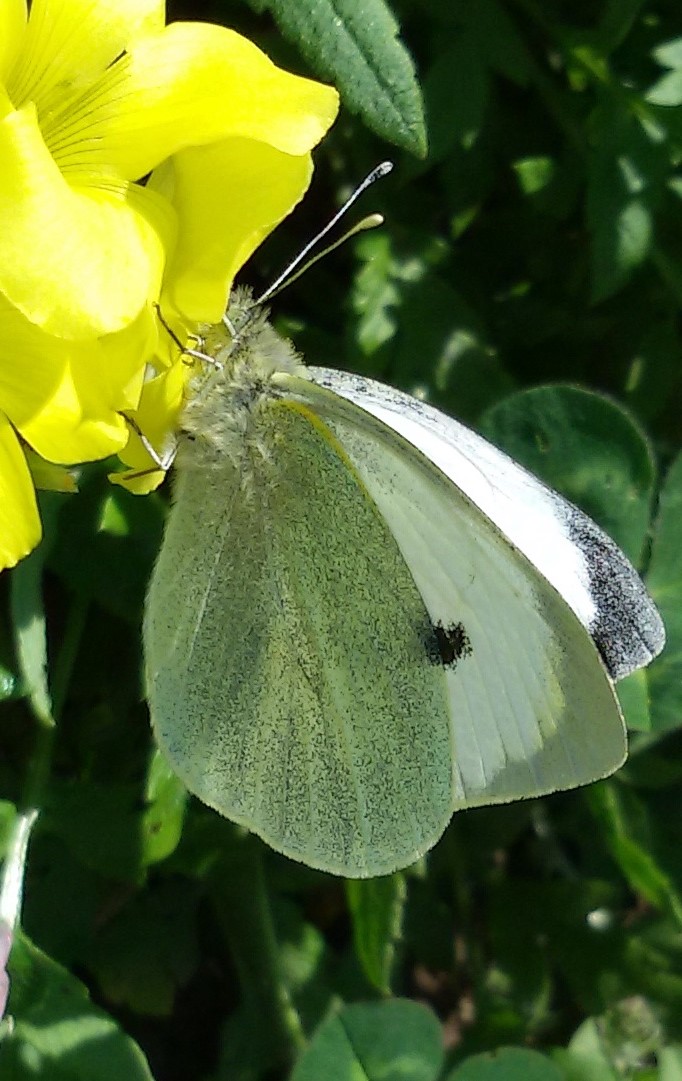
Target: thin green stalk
240	897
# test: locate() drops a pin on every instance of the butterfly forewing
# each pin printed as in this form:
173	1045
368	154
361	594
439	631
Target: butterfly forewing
584	565
530	705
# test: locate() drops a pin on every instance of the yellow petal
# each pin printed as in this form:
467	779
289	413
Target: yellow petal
139	483
194	84
157	416
64	397
49	477
229	196
70	42
76	262
12	30
19	522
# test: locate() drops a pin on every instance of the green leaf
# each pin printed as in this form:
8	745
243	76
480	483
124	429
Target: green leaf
396	1040
587	447
440	333
148	949
534	174
665	582
670	1064
625	825
507	1064
667	91
357	47
669	54
615	1045
114	828
58	1034
627	168
30	631
498	39
455	91
106	543
376	908
164	813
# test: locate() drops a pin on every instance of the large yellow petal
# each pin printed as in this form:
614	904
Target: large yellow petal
194	84
228	196
19	521
12	30
64	397
69	43
77	262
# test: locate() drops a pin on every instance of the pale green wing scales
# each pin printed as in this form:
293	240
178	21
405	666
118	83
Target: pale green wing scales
531	707
292	674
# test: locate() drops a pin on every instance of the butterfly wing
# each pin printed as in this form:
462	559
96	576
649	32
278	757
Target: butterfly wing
531	705
581	561
293	675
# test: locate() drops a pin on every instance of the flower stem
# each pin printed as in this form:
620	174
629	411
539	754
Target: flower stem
242	907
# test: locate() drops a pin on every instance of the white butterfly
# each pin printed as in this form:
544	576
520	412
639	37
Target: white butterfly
365	617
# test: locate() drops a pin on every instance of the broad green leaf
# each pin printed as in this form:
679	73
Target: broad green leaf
357	47
58	1034
507	1064
665	582
587	447
376	909
397	1040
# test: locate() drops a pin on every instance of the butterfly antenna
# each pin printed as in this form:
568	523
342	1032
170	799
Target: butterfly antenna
294	269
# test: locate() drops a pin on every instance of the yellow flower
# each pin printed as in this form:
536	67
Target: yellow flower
93	97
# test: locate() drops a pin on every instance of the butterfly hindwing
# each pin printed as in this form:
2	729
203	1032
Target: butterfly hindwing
293	672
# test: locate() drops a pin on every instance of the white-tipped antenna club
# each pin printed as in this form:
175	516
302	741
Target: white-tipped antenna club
294	269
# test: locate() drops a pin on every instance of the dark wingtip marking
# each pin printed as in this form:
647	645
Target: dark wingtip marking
447	645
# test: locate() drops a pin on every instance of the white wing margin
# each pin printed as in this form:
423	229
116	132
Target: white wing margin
575	556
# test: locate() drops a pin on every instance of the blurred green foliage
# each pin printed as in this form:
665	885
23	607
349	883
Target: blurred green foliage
528	279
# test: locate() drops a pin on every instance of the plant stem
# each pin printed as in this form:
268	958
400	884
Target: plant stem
242	907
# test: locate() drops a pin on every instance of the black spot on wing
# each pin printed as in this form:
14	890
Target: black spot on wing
447	645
